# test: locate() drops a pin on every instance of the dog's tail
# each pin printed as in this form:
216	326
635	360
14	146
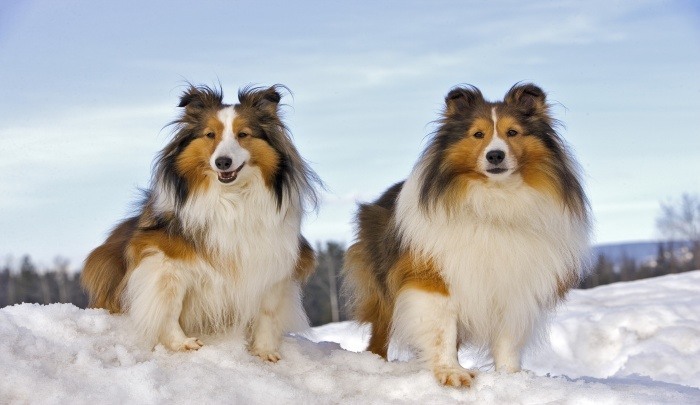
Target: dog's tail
366	298
105	268
367	266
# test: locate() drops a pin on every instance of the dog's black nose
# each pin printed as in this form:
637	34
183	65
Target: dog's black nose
495	157
223	163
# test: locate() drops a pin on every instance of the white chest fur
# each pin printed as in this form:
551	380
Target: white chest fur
251	246
501	252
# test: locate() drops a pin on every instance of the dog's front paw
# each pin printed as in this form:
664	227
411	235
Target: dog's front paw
454	376
272	356
266	346
187	344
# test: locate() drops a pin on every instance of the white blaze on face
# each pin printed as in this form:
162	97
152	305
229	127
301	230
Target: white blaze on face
491	164
229	147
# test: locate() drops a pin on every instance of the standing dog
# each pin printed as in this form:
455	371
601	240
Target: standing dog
216	243
486	235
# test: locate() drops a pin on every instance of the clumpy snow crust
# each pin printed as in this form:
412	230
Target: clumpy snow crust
626	343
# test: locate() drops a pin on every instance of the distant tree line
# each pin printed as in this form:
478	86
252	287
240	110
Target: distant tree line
679	225
24	282
323	300
671	258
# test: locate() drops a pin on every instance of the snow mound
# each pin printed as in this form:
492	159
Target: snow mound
636	342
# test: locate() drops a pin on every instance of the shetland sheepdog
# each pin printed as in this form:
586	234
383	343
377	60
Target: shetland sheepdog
483	238
216	243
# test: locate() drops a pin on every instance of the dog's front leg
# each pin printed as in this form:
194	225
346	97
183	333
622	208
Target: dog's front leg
506	352
153	297
269	325
428	321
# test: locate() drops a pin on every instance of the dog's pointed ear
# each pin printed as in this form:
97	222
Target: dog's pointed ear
272	95
262	99
191	97
528	98
187	97
196	98
462	99
270	99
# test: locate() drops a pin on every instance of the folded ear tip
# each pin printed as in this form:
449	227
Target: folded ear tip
273	95
200	96
469	93
184	100
186	96
454	94
525	93
533	90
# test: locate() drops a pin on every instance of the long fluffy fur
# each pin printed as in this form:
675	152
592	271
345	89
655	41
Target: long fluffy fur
490	252
214	247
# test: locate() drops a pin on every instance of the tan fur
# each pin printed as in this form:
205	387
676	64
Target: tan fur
535	159
105	268
306	264
371	305
263	156
374	304
143	243
193	163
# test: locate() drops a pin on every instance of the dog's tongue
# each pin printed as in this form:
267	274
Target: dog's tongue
227	177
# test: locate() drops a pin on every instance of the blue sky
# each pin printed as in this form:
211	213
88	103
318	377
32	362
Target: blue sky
87	87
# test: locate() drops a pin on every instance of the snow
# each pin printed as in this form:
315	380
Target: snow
631	343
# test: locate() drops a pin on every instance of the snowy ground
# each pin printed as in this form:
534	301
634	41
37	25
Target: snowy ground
631	343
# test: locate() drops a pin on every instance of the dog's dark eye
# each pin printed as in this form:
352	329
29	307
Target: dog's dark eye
512	132
479	135
242	135
211	135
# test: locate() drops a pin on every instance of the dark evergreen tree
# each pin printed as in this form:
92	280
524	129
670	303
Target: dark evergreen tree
628	268
323	301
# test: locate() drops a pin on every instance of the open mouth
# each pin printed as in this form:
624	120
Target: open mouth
228	177
497	170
